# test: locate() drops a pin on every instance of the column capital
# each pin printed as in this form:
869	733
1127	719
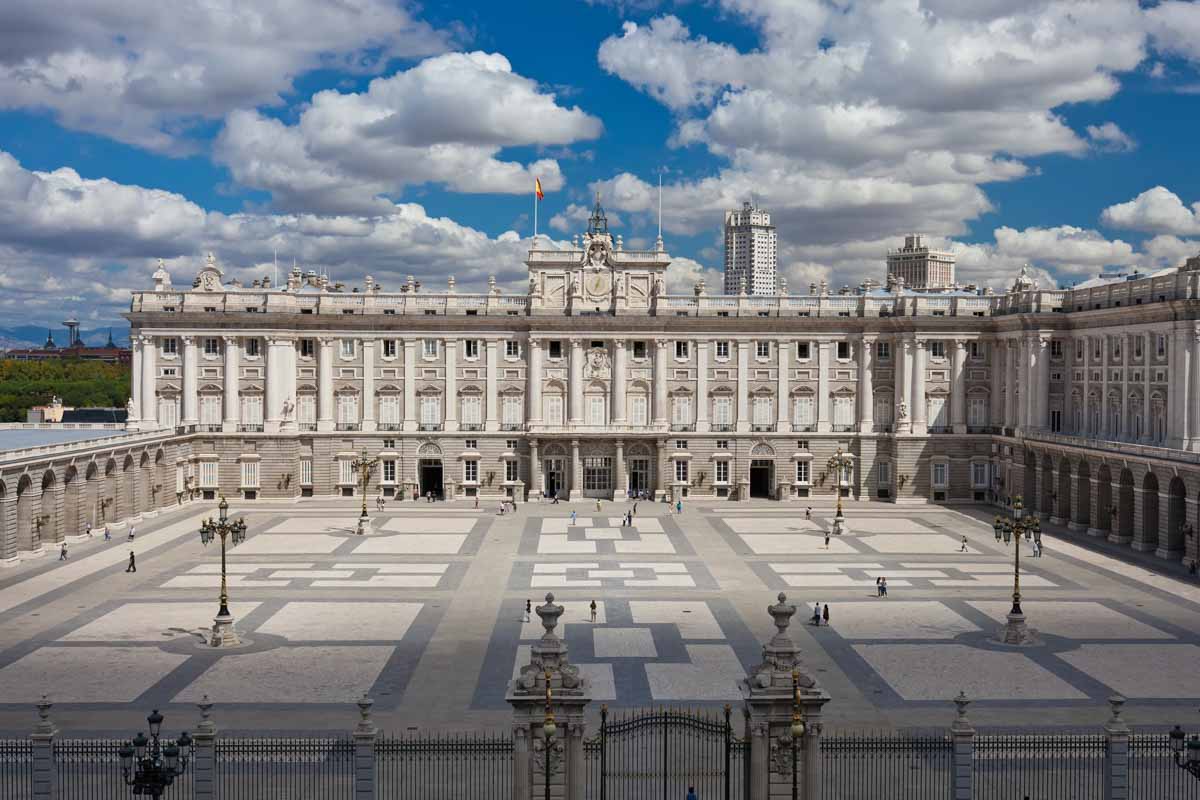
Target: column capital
229	340
869	338
188	339
661	344
326	341
619	344
576	342
535	344
960	344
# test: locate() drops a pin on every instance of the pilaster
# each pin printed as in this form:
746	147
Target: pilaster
368	383
491	392
191	375
450	412
958	388
823	424
866	385
232	384
325	385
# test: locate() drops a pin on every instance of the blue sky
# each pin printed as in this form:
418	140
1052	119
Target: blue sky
384	138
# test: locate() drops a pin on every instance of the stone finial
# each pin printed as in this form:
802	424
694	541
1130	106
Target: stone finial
1116	702
450	284
961	724
365	726
492	285
549	614
44	727
620	242
781	613
206	724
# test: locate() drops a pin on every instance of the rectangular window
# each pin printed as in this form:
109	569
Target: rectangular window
170	346
1137	347
512	349
937	349
208	474
210	410
512	470
681	444
883	475
306	409
346	472
431	409
1056	348
681	470
802	471
883	410
251	348
681	411
389	410
803	411
843	412
389	348
471	349
552	409
722	410
347	409
389	470
252	409
883	350
1161	346
556	349
211	348
722	444
762	411
762	349
512	408
471	471
937	414
637	409
978	350
639	350
721	472
843	350
722	350
596	414
939	475
347	348
429	348
471	409
803	350
306	477
681	349
979	472
1079	350
168	412
249	474
977	412
307	348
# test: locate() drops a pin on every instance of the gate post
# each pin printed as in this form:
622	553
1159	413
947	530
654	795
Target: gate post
364	751
549	699
780	697
204	753
964	751
1116	753
45	777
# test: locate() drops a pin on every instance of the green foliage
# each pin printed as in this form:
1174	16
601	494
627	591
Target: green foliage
81	384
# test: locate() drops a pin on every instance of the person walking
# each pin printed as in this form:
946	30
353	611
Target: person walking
825	614
132	563
62	554
816	617
572	517
593	610
678	506
963	547
883	587
528	608
597	505
555	499
477	500
879	587
107	535
808	513
826	540
633	512
379	502
88	530
691	795
131	530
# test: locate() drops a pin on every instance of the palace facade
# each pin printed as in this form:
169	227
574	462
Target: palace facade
598	383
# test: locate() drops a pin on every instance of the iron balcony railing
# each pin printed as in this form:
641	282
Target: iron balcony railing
469	426
682	427
209	428
390	426
249	428
348	426
883	427
512	426
429	426
308	426
762	428
722	427
798	427
844	428
940	429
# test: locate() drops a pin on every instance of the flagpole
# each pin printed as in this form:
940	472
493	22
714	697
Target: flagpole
535	214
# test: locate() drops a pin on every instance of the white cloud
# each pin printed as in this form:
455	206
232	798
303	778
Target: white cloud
1156	210
146	72
574	219
1175	27
1109	138
443	121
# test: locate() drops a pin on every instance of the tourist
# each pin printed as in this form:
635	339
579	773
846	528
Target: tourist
691	795
634	511
62	554
597	504
808	513
130	537
528	609
107	535
132	563
963	548
678	506
825	614
477	500
883	587
502	508
879	587
88	530
572	517
827	540
593	609
555	499
816	617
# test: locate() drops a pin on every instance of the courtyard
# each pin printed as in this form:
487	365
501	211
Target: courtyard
426	614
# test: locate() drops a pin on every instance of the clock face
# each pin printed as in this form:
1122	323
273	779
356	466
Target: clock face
598	283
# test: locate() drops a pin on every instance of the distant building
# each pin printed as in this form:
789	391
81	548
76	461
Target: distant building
55	411
920	267
751	256
109	353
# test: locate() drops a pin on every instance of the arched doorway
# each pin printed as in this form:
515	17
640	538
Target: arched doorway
1063	508
48	511
72	503
1083	495
554	470
26	535
1125	506
1046	499
109	492
1029	488
1173	544
145	484
91	494
639	462
597	464
1149	539
161	492
429	470
762	471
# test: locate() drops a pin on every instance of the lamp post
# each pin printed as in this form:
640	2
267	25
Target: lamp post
1185	750
1021	526
363	466
223	633
797	730
838	462
149	766
550	758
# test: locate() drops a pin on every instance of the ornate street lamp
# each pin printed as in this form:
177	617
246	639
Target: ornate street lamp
798	728
551	755
838	463
1185	750
149	766
363	466
223	634
1022	526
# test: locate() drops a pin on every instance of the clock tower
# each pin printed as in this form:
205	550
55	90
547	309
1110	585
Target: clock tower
596	274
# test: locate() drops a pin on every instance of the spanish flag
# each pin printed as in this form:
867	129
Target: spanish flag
537	188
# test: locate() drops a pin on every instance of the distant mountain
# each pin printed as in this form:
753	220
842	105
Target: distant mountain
25	336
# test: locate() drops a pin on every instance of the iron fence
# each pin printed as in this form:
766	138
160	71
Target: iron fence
284	769
16	769
448	767
1153	774
873	766
90	769
1059	766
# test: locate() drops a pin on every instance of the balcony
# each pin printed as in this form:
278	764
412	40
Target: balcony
209	428
390	426
248	428
982	429
803	428
882	427
939	429
429	426
308	426
682	427
466	426
844	428
763	428
348	426
723	427
512	426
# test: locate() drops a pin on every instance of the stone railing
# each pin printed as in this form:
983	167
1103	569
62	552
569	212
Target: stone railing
1123	450
62	448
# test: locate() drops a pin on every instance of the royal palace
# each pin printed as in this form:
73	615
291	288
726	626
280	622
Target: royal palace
598	383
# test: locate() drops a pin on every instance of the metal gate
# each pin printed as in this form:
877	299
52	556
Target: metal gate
661	753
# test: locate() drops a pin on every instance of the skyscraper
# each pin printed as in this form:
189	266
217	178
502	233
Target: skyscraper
750	251
920	267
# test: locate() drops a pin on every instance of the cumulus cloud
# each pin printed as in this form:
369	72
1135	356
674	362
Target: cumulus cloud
146	72
1156	210
574	218
1110	138
443	121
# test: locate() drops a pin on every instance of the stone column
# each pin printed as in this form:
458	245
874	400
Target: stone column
823	424
901	378
491	387
536	485
1043	382
1068	384
1192	341
964	751
45	776
325	385
204	755
1181	379
702	403
191	375
660	382
368	383
450	415
274	395
232	379
996	397
1085	427
410	384
866	385
622	490
364	751
576	384
135	383
149	383
743	386
1147	373
576	471
1010	383
1125	361
1116	756
918	403
774	693
782	390
8	530
1105	431
534	381
619	379
958	388
548	688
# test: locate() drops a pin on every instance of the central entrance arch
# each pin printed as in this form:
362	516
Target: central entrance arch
429	470
762	471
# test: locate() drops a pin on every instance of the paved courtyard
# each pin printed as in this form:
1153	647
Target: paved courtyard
427	614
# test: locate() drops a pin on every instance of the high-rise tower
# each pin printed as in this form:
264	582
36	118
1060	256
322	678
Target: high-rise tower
750	251
919	266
